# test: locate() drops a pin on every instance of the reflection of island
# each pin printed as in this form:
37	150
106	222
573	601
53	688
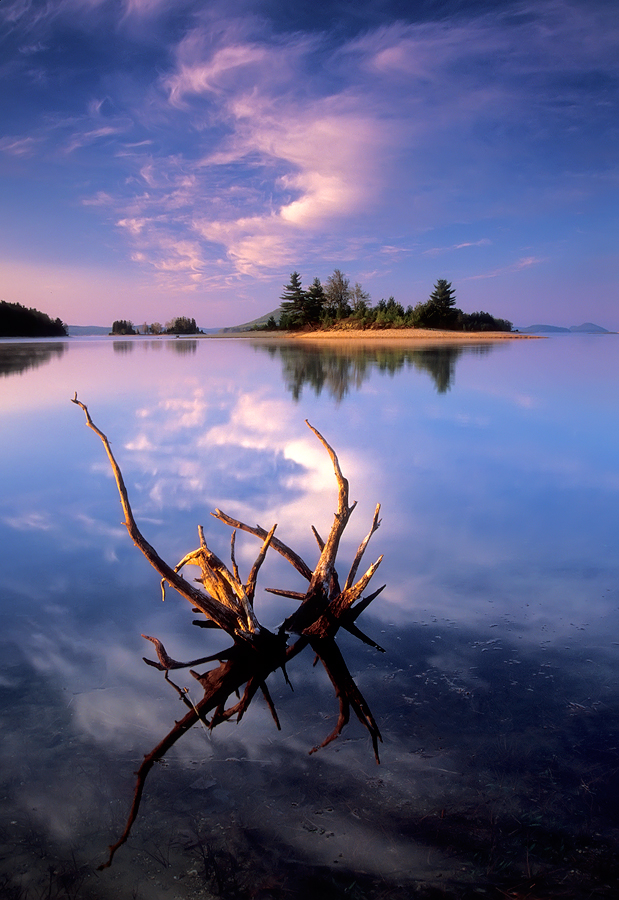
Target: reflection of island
16	358
181	346
338	369
123	346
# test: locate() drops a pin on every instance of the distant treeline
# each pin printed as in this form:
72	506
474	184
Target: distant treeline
337	304
18	321
179	325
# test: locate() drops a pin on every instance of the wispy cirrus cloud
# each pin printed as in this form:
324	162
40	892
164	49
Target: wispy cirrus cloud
436	251
525	262
304	163
312	154
18	146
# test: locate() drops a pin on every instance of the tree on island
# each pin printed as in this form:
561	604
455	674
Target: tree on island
439	311
315	300
182	325
179	325
337	305
338	294
153	328
300	307
18	321
293	302
123	327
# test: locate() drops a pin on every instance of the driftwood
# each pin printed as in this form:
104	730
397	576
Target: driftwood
227	603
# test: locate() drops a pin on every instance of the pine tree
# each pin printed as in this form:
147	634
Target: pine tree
439	311
314	302
443	297
293	301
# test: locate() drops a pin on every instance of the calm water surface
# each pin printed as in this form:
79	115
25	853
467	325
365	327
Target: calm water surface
497	468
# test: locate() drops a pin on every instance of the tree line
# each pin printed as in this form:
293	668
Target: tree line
19	321
337	303
178	325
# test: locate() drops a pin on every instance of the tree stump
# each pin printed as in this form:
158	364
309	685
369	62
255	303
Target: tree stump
226	602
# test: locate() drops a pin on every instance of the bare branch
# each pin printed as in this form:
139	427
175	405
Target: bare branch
353	569
212	610
293	558
235	568
324	569
250	585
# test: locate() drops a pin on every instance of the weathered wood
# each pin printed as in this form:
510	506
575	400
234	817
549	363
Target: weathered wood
226	602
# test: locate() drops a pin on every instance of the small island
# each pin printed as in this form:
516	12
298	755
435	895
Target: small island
178	325
18	321
337	306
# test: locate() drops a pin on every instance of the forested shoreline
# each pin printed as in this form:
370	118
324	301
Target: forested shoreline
18	321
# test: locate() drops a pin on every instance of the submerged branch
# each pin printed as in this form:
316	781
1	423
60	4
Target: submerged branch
242	670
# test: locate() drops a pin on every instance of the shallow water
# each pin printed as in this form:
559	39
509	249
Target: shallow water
497	697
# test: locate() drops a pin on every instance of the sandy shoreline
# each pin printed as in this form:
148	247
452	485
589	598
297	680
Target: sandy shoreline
392	335
409	334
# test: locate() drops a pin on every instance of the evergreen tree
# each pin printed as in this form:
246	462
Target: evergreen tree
18	321
443	297
439	311
314	302
293	301
182	325
123	326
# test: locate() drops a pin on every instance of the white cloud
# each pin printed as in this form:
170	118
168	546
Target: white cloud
32	521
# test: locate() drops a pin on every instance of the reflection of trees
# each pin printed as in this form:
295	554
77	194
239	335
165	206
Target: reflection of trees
320	368
123	346
338	369
182	346
177	345
440	363
16	358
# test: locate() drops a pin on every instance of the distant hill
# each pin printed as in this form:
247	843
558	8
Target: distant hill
543	329
249	326
75	330
585	328
589	328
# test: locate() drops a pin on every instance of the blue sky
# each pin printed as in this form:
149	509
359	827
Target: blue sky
174	157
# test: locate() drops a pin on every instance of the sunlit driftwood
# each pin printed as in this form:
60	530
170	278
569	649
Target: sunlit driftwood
227	603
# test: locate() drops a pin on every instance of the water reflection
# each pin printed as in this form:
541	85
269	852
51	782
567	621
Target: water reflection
498	776
17	357
497	698
182	346
123	346
338	369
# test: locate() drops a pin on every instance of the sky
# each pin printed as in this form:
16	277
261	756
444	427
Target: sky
161	158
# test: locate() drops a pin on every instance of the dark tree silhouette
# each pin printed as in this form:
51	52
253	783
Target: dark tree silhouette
18	321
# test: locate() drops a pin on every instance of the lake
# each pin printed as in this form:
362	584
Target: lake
497	696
